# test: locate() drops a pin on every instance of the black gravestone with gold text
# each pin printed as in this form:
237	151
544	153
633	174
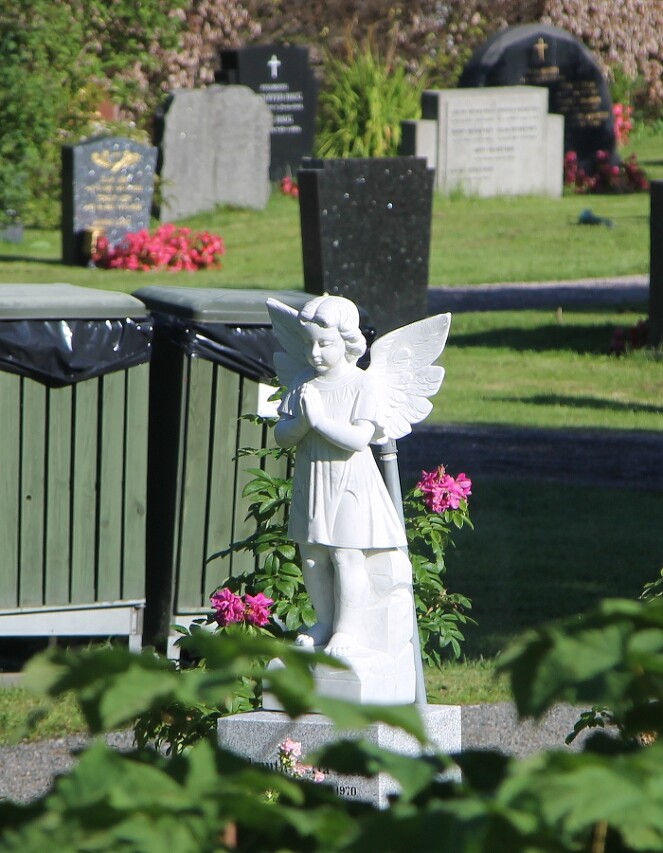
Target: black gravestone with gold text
542	55
107	187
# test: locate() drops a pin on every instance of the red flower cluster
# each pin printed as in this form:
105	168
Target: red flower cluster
441	491
604	176
622	122
289	187
230	608
167	248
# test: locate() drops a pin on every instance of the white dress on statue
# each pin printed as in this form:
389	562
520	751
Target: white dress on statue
339	497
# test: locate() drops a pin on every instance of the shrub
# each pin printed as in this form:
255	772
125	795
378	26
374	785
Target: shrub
43	71
365	99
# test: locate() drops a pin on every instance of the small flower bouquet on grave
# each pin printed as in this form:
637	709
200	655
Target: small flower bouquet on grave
168	247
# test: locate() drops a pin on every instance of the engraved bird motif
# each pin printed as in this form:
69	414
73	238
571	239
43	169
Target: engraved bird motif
105	160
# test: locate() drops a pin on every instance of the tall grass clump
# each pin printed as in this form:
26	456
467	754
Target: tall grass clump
365	99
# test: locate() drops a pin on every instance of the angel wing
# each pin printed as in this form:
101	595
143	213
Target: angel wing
402	362
292	361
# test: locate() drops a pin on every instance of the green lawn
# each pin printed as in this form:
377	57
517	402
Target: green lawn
538	551
473	240
541	551
533	368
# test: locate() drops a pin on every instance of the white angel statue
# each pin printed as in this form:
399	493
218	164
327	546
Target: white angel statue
342	516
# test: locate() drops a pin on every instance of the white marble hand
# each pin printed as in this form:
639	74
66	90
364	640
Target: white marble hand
312	406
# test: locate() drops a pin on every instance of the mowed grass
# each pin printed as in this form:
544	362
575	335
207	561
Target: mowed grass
538	551
542	551
473	241
548	369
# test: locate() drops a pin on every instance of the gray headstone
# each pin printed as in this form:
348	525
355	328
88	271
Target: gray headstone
214	150
107	186
490	141
258	735
365	226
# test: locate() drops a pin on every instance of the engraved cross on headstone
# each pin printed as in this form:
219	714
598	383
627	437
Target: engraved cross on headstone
274	64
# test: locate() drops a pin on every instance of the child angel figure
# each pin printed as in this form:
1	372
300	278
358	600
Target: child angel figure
342	513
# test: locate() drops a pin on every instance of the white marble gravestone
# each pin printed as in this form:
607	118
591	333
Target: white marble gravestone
490	141
258	735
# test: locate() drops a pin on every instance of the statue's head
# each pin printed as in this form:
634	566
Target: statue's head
337	312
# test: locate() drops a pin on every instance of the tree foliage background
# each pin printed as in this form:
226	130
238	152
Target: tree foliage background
63	58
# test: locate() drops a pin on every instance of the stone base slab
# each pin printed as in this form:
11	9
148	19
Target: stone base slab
257	736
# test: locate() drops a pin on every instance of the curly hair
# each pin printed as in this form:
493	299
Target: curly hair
340	313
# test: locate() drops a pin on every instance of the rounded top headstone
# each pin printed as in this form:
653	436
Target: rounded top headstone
543	55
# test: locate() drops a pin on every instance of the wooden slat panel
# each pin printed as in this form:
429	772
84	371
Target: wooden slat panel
250	435
58	464
84	492
33	434
135	478
111	476
222	476
195	449
10	427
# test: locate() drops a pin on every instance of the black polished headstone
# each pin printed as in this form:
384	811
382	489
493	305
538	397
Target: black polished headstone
656	264
366	226
283	77
542	55
107	186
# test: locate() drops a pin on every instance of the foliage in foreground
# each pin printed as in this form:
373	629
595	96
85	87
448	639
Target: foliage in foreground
604	799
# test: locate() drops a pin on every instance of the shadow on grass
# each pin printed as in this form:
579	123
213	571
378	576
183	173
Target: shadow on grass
555	337
540	552
29	259
597	403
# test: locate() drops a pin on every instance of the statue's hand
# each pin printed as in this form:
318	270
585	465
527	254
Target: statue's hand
312	407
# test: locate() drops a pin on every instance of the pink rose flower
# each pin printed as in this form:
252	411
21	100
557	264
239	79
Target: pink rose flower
228	607
257	609
441	491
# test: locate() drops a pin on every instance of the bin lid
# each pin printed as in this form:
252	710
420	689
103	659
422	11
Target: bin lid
218	305
65	302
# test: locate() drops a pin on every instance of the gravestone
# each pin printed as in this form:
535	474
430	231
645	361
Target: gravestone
107	187
282	76
258	734
543	55
656	264
488	142
214	149
365	226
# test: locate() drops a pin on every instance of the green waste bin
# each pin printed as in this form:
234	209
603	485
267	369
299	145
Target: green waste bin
211	362
73	412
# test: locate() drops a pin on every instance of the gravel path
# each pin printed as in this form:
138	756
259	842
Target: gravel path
582	456
28	770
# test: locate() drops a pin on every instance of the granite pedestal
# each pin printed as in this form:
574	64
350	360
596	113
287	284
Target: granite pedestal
258	735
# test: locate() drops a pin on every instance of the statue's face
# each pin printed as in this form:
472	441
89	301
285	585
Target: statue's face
326	348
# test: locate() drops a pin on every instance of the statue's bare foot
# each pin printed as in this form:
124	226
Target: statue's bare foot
316	635
341	645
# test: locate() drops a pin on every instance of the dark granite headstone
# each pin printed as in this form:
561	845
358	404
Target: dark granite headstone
542	55
107	187
366	227
656	264
283	77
